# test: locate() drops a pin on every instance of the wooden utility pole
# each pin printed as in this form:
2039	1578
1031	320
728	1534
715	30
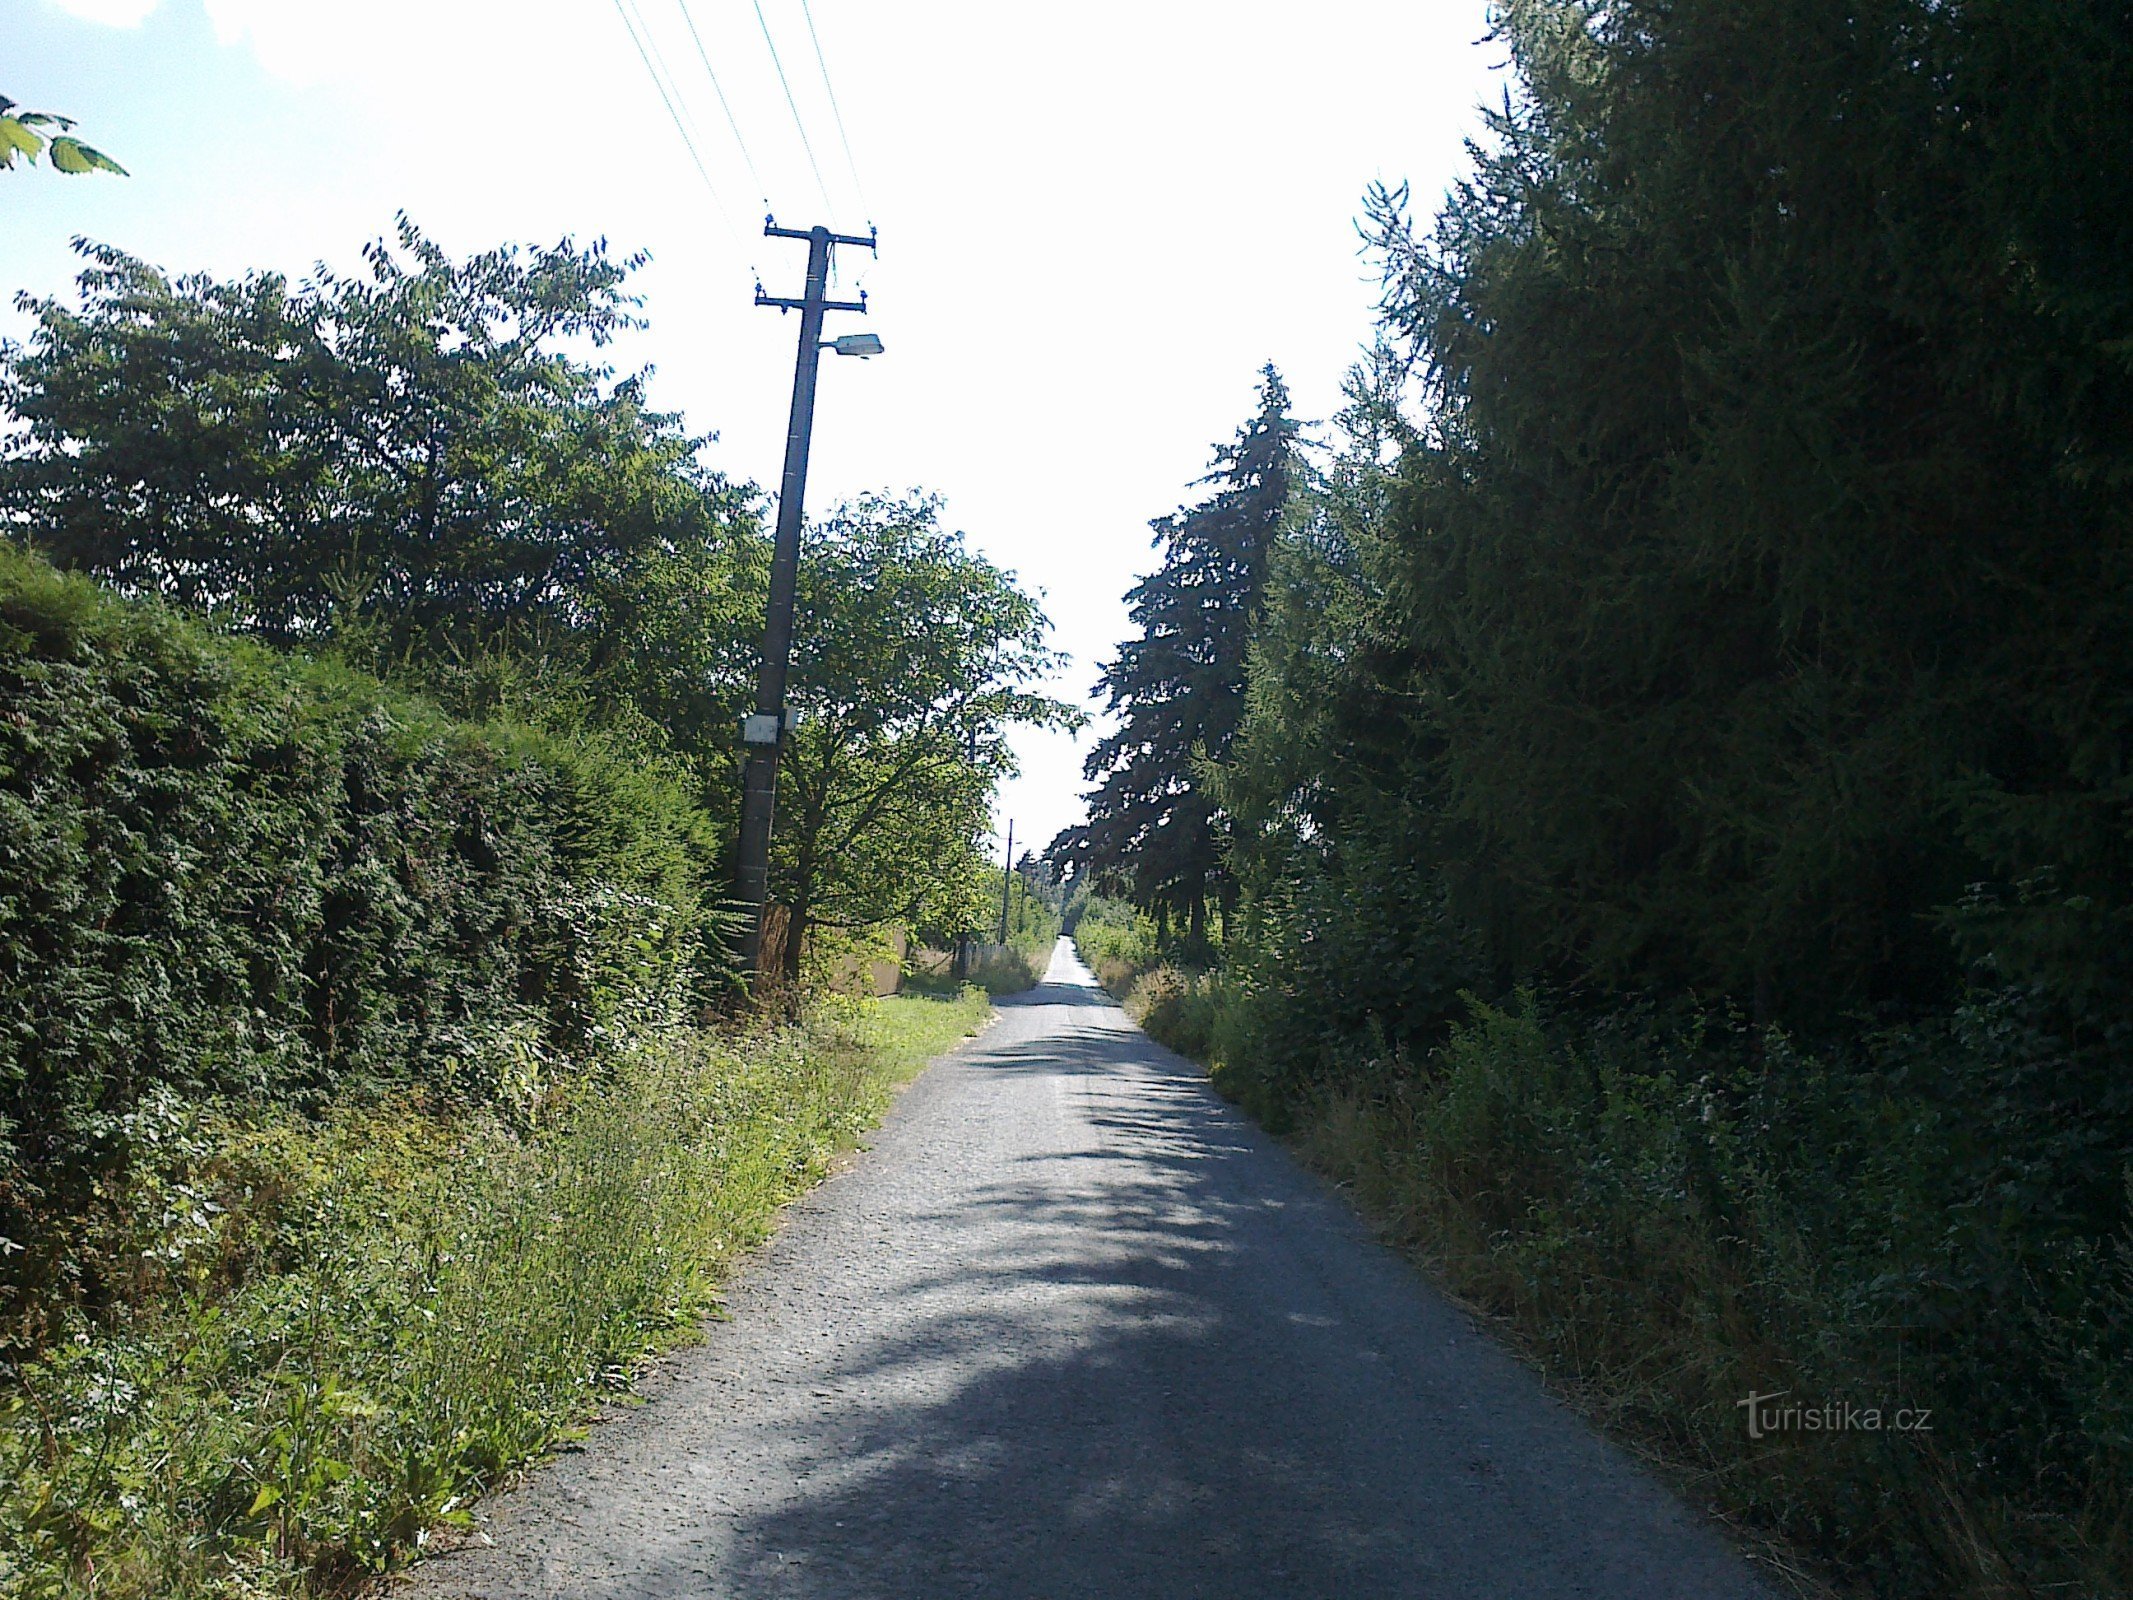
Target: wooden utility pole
764	733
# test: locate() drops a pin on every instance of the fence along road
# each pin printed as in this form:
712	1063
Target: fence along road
1076	1328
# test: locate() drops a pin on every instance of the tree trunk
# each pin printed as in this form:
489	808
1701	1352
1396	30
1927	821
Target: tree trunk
803	895
796	934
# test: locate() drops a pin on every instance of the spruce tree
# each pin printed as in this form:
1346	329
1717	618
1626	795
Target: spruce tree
1155	832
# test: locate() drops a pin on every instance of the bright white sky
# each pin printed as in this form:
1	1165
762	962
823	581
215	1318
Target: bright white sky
1097	221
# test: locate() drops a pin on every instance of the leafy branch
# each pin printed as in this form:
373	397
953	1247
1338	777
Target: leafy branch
19	137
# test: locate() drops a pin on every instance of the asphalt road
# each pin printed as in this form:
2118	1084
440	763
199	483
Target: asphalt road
1075	1328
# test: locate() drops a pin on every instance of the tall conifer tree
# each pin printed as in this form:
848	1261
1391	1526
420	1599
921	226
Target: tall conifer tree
1154	829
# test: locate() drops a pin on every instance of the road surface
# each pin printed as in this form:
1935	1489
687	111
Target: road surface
1073	1327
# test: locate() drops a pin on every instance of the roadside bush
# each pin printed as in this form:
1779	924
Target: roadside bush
1117	941
1348	955
1033	926
996	970
1009	971
1181	1008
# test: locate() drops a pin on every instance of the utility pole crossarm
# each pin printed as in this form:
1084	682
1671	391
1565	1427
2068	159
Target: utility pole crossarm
871	241
783	304
763	734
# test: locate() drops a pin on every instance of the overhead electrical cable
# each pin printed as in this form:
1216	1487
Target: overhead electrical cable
836	111
666	72
794	105
724	104
622	10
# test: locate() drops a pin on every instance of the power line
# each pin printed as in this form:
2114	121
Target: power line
843	138
724	104
680	127
673	78
794	105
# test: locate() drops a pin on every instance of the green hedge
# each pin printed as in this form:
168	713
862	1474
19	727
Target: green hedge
230	873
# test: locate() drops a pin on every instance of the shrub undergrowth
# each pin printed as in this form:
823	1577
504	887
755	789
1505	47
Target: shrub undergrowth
1116	941
1674	1217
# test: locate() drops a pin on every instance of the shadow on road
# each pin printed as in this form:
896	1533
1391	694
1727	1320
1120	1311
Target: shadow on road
1152	1362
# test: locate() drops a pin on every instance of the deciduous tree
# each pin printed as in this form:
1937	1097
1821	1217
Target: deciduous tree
912	656
417	458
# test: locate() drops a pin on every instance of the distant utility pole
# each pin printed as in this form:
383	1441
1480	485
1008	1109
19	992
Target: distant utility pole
1007	878
966	942
764	733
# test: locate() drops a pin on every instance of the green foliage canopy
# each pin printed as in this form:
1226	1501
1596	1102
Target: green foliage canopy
414	458
1751	599
911	658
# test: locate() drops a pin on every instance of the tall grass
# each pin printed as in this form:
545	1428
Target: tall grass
1010	970
364	1322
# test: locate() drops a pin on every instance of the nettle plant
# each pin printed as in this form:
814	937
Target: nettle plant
19	137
